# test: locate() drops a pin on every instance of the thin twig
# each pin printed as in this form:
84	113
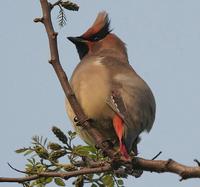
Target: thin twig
55	4
198	163
20	171
156	156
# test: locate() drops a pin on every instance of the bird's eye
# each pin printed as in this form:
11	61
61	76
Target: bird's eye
95	38
75	119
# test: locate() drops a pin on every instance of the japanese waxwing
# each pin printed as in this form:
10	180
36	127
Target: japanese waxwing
118	101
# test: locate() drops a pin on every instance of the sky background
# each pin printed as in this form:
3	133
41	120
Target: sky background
163	41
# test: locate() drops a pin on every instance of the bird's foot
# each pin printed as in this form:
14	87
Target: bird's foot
82	121
106	144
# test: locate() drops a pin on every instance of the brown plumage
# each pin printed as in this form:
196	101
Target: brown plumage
119	102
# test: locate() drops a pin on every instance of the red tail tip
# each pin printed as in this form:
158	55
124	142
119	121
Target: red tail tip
123	151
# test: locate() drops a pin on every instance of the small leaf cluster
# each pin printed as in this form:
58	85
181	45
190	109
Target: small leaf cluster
99	180
46	156
68	5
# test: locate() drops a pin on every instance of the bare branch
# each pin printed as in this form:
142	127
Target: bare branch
160	166
55	62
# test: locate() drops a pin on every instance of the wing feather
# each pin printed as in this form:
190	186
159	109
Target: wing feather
133	101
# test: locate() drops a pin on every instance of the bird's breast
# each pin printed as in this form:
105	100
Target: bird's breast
91	85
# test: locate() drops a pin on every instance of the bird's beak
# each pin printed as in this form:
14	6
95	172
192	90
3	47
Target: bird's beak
76	40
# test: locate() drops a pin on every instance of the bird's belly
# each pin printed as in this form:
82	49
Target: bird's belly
92	97
92	88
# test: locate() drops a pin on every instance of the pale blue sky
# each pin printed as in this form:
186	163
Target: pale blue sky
163	41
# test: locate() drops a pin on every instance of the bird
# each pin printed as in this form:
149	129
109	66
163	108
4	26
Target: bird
113	96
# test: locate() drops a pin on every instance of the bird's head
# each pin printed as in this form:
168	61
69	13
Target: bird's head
98	40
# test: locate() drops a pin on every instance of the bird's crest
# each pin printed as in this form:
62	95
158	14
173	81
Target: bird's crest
99	29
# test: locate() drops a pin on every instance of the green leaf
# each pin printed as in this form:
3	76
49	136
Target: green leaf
32	161
57	154
28	152
36	140
62	17
81	150
22	150
108	181
69	5
40	168
42	152
90	177
94	185
79	181
48	180
72	134
40	139
54	146
41	180
60	135
45	141
120	182
89	149
29	166
59	182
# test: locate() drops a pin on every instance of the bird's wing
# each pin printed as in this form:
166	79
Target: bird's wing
132	100
116	103
128	129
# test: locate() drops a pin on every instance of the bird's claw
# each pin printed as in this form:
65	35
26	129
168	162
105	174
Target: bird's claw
80	122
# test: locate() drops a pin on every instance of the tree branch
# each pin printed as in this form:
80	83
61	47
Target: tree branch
55	62
159	166
64	175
